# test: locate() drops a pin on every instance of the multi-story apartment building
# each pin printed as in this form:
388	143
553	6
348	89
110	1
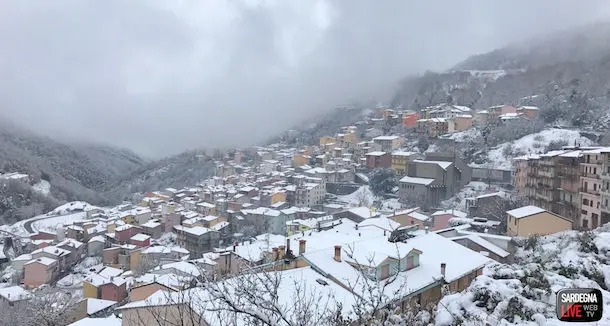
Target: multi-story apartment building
590	189
389	143
567	182
568	172
605	192
400	161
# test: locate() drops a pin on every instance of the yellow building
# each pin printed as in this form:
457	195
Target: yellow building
129	219
531	220
90	291
135	258
300	160
400	161
327	140
277	197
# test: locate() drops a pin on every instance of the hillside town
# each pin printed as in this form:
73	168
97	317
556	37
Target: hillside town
312	215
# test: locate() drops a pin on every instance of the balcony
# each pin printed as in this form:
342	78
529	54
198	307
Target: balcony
589	191
590	175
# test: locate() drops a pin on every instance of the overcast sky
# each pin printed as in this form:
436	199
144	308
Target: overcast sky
163	76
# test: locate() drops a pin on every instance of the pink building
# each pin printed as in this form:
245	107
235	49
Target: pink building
375	160
40	271
140	240
115	290
441	219
170	220
124	233
498	110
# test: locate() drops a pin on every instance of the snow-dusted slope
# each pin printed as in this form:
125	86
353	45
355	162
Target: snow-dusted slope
501	158
524	293
43	187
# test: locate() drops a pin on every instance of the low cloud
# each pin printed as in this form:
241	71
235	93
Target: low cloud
161	76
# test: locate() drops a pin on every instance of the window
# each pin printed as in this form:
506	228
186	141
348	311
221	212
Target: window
585	201
583	212
410	262
594	219
385	271
594	170
585	224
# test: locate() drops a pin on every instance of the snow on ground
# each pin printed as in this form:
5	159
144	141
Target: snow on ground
361	197
532	144
82	269
471	190
71	207
464	136
43	187
524	293
50	224
391	205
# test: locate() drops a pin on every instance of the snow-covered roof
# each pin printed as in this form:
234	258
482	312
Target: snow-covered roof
375	154
108	272
42	260
453	212
527	107
401	153
434	249
443	164
196	230
140	237
415	180
386	138
108	321
14	293
483	243
290	281
419	216
97	305
525	211
363	212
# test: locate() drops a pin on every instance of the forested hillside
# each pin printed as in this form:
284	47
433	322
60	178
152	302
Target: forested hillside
567	74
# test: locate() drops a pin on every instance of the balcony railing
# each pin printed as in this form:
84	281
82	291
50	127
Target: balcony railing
590	175
589	191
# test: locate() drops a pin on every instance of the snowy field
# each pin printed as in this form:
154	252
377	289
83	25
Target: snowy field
532	144
361	197
524	293
50	224
471	190
42	187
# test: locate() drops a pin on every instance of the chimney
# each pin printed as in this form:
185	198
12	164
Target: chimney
427	229
443	268
287	245
302	247
337	253
275	254
356	226
281	252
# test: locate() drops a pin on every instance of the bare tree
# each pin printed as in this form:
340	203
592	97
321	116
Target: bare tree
46	307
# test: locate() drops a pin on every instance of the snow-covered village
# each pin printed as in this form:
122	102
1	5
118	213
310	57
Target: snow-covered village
304	163
359	229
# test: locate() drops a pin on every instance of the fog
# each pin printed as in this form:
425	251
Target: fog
160	77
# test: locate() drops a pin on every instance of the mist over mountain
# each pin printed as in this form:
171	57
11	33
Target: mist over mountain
566	73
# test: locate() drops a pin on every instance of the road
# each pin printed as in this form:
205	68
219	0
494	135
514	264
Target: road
28	225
